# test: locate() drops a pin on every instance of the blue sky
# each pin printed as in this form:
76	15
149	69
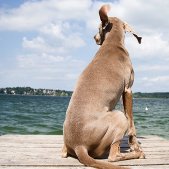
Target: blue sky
47	43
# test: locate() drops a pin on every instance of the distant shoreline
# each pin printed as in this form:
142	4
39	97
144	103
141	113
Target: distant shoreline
31	95
151	95
28	91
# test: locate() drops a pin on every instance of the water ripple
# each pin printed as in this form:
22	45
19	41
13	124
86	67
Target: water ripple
45	115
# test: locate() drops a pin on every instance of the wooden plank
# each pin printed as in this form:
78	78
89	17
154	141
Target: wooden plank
151	167
74	167
52	145
43	151
54	139
35	139
43	167
74	162
58	149
53	156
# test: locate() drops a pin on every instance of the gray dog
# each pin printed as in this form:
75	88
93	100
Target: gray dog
92	126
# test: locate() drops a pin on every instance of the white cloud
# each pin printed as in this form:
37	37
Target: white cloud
36	44
57	45
150	13
54	67
161	79
32	15
158	83
153	46
36	61
61	31
73	41
52	30
155	68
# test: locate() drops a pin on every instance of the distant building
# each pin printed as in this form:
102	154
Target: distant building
13	92
44	91
5	91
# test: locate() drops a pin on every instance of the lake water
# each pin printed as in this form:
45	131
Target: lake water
45	115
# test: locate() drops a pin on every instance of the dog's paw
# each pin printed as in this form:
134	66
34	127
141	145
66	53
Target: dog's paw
142	155
115	158
64	153
134	144
135	147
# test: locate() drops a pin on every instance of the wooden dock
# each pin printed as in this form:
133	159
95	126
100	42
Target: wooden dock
43	152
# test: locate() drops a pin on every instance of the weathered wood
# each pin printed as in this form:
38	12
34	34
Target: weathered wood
74	162
43	167
43	152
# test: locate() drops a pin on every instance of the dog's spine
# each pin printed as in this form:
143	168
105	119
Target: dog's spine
85	159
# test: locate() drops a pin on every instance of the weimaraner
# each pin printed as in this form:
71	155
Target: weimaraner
92	126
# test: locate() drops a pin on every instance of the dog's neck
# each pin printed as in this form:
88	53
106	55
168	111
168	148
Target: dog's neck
115	40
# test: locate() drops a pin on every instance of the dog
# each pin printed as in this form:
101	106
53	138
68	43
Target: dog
92	126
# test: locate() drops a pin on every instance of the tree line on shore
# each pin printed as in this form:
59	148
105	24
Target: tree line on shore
52	92
32	91
151	95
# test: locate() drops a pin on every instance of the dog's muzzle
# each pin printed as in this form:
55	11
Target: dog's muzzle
97	38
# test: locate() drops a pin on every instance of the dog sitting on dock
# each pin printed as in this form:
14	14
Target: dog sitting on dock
92	126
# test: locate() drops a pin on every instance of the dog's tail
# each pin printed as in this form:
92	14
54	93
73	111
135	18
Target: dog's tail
85	159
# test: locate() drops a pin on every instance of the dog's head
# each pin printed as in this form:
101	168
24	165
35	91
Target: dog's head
107	24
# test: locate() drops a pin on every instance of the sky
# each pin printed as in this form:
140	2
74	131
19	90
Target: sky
48	43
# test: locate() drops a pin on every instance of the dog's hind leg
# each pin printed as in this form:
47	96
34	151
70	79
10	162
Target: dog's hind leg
115	154
128	104
114	151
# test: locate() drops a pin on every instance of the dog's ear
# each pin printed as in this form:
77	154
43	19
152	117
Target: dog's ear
128	28
103	14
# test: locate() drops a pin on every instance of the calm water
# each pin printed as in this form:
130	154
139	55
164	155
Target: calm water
45	115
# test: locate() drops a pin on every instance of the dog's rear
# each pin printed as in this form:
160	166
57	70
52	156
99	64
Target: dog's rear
91	127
